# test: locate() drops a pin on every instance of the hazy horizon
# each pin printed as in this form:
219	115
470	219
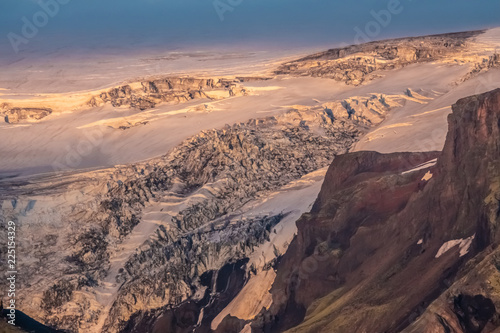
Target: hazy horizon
181	24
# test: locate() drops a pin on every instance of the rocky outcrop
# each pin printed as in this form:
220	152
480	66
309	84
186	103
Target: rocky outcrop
147	94
18	115
482	66
390	245
367	111
356	64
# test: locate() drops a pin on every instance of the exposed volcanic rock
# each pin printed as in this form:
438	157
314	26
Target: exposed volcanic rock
356	64
360	190
381	244
17	115
147	94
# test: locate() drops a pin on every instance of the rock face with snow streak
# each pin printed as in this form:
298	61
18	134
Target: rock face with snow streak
369	257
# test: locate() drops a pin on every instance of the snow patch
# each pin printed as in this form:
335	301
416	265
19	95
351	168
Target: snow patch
425	165
464	245
427	176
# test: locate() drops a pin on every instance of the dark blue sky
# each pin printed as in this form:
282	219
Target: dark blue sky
288	23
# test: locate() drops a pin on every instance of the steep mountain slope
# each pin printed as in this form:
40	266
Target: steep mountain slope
385	239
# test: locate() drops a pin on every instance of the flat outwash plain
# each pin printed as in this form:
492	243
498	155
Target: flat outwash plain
351	190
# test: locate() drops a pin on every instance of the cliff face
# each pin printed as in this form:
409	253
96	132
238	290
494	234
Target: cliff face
389	234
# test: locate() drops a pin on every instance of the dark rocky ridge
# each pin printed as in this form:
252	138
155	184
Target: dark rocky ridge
356	64
365	258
